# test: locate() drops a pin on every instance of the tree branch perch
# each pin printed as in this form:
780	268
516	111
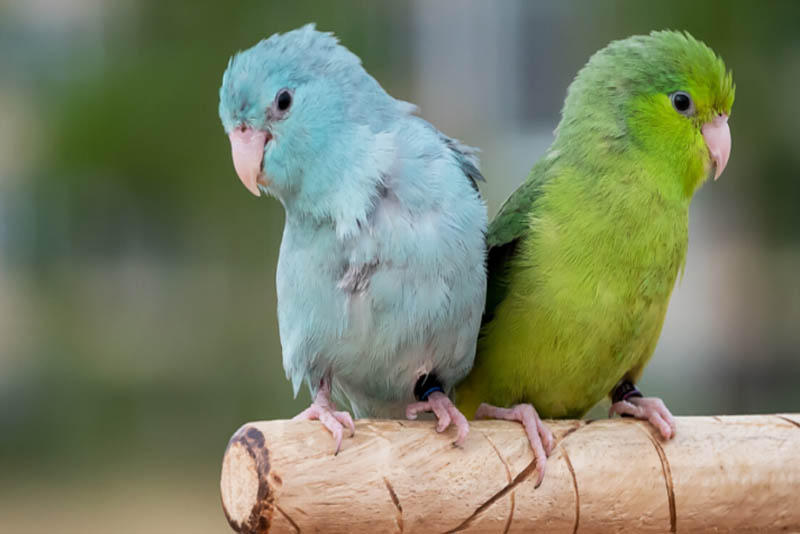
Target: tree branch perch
726	474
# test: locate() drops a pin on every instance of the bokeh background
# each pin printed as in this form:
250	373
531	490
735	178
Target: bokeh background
137	300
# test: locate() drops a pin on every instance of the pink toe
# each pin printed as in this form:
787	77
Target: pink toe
483	411
345	419
413	410
463	432
443	423
462	425
307	415
442	415
547	438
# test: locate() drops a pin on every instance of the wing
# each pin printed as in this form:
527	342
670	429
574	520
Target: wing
505	233
467	158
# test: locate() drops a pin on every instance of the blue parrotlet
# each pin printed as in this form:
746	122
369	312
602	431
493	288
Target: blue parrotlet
381	276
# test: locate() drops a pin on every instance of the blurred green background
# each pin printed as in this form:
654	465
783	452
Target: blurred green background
137	300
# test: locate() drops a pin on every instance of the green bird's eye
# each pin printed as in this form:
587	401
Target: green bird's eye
682	103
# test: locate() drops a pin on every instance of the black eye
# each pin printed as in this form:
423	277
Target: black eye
283	100
682	102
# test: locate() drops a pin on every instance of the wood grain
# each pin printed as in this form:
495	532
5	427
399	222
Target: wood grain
722	474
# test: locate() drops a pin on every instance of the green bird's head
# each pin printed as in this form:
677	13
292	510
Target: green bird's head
663	99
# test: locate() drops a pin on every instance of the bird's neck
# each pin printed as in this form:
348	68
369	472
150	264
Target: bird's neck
344	211
341	188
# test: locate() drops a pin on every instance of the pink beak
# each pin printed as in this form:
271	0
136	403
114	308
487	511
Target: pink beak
247	147
718	140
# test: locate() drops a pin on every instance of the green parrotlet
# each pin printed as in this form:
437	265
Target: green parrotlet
585	253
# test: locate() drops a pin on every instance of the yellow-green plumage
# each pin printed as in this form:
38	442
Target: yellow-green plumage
584	255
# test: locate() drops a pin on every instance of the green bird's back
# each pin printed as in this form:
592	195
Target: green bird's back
585	253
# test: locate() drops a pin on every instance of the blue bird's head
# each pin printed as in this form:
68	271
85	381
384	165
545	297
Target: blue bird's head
302	115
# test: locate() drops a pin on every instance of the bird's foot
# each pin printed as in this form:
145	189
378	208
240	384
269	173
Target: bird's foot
445	412
539	435
650	409
324	411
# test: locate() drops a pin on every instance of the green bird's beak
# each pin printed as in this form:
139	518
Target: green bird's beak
247	148
718	140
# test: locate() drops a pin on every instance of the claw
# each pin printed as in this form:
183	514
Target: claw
539	436
650	409
445	412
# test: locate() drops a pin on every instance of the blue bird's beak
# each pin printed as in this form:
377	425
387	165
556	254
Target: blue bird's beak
247	148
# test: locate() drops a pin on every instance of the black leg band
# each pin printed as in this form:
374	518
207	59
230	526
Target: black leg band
427	384
624	391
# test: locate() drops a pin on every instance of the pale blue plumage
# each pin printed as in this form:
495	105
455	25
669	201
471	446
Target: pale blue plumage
381	273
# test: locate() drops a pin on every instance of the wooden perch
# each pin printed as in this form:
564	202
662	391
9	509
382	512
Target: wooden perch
721	474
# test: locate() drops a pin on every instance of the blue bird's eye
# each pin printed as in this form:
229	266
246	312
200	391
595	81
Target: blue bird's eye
283	100
682	103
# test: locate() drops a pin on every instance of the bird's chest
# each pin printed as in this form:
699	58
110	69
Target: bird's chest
600	293
613	260
309	265
323	290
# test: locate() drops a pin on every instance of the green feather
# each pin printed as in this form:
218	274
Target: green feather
585	253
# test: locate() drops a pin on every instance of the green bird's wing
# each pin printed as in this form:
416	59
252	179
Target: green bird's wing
506	230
